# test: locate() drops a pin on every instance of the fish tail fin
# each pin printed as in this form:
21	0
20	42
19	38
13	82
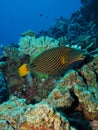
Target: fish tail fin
23	70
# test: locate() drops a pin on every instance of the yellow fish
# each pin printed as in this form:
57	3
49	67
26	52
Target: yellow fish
53	61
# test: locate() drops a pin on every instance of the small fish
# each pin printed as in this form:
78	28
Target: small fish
41	15
53	62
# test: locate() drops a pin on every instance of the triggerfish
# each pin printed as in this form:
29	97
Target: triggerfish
53	61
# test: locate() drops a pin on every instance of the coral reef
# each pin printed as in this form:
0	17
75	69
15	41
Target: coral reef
89	10
4	95
94	125
69	102
87	103
85	87
75	92
28	33
19	86
34	46
90	78
60	98
17	115
96	64
83	23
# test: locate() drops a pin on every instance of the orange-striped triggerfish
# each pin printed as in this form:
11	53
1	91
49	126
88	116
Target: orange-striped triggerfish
53	61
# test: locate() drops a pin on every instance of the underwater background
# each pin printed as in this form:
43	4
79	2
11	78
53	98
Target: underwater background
21	15
49	65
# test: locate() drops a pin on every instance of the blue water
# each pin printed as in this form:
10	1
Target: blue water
18	16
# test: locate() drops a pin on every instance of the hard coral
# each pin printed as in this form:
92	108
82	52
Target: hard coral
88	104
37	117
90	78
4	95
4	125
94	125
34	46
96	64
87	95
60	98
28	33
